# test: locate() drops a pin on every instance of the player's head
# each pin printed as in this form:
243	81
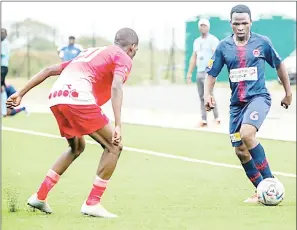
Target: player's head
71	40
127	39
3	34
241	21
203	26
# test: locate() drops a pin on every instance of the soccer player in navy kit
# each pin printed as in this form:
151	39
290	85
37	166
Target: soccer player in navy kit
244	54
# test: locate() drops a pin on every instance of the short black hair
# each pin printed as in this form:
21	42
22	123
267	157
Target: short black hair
241	9
125	37
71	37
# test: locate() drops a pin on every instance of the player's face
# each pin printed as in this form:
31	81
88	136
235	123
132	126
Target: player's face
132	51
241	24
203	29
71	41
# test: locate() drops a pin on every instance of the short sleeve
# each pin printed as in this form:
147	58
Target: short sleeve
79	47
195	44
217	62
271	56
122	65
65	64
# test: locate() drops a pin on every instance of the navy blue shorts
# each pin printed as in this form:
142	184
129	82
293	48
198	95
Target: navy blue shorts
253	112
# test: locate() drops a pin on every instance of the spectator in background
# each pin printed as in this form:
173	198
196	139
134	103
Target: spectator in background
203	49
11	112
5	51
70	51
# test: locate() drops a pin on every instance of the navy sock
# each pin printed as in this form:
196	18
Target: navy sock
15	111
259	157
252	172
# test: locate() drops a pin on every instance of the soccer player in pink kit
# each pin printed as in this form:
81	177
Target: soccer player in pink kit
86	83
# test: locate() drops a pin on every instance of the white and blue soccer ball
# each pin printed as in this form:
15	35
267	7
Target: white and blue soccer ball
270	192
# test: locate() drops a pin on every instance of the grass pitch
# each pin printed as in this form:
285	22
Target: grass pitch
147	192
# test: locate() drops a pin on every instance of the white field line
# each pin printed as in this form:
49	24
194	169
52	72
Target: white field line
153	123
159	154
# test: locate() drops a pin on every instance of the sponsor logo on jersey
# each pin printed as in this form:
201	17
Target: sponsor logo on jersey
243	74
126	72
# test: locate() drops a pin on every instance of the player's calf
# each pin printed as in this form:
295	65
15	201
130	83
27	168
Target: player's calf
92	206
248	136
77	146
248	165
105	170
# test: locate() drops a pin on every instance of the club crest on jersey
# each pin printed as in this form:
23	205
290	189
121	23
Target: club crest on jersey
256	53
126	73
210	63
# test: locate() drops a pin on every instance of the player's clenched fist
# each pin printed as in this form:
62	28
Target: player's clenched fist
209	102
286	101
14	100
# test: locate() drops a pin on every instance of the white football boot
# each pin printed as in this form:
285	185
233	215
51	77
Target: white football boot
252	200
41	205
96	211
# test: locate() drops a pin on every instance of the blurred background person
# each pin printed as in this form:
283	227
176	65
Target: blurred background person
5	51
70	51
11	112
203	49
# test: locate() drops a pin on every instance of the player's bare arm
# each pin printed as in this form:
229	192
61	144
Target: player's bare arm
15	99
208	88
117	100
191	66
283	76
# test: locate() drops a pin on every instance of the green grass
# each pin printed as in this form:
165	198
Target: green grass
147	192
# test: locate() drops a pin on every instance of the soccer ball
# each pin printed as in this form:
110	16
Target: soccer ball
270	192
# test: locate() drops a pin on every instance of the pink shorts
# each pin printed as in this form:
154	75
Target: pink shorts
79	120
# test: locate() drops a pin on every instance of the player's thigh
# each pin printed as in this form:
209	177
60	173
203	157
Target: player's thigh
104	137
235	125
256	112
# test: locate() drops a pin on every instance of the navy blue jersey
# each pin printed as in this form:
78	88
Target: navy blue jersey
246	66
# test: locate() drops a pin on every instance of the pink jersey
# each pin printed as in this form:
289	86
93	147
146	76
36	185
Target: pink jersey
87	79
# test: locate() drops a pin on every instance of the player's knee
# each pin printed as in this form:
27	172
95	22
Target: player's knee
117	149
247	135
78	150
242	153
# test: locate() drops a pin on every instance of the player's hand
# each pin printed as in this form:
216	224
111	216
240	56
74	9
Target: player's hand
209	103
286	101
14	100
116	137
189	78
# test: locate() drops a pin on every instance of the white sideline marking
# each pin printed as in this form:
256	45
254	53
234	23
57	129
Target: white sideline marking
159	154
